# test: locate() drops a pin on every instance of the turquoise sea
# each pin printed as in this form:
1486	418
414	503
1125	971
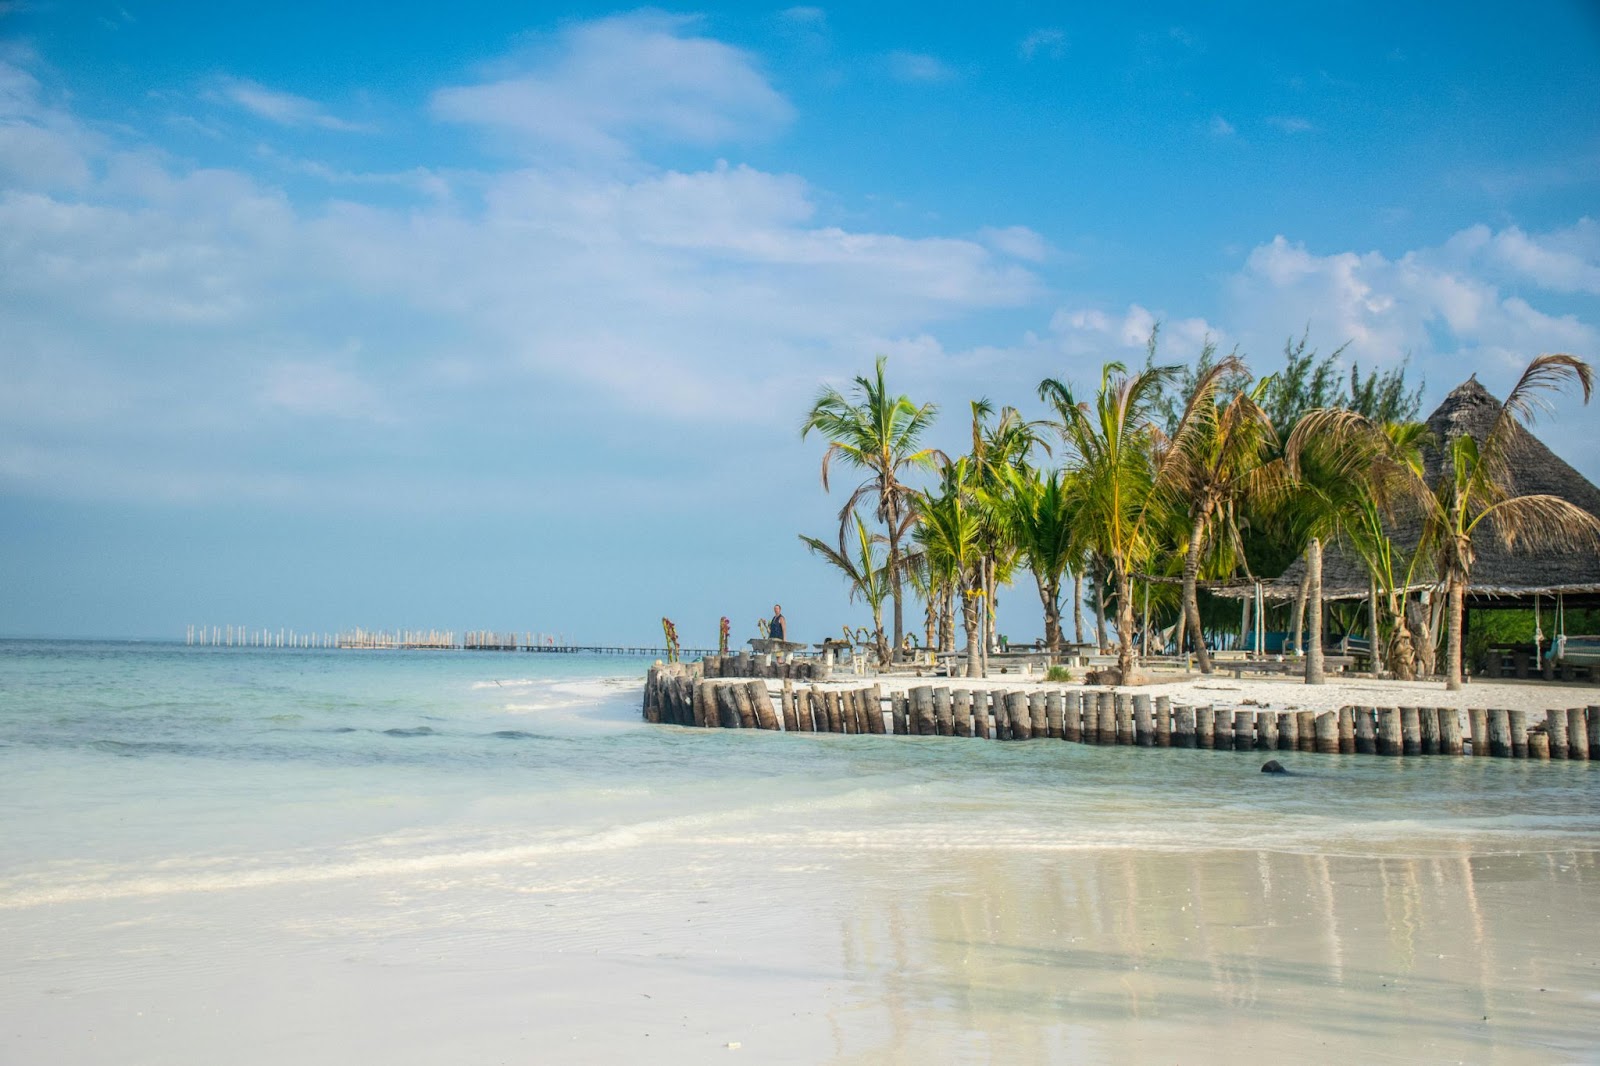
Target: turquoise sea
249	855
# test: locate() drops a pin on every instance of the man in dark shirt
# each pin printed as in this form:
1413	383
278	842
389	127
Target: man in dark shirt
775	628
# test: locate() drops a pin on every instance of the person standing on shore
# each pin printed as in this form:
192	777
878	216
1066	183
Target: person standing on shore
775	628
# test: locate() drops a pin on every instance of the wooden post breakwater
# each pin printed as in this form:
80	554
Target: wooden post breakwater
731	692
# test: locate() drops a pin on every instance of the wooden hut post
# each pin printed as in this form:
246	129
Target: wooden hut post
1144	723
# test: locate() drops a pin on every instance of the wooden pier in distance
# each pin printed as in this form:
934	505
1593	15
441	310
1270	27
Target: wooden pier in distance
418	640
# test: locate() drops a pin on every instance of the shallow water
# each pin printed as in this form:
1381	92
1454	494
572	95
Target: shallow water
319	856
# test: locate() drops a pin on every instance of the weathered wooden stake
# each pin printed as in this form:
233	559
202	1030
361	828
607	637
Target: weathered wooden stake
1017	716
900	712
1592	714
1366	731
1499	733
1108	718
1450	731
1478	724
1410	731
1091	719
1125	734
1072	720
1390	741
791	719
1038	715
1539	744
943	716
1555	726
1205	727
1306	730
1055	715
1267	731
1518	722
1163	721
1288	731
922	711
1144	723
1428	723
1244	730
1577	734
1347	731
1327	733
1183	727
961	709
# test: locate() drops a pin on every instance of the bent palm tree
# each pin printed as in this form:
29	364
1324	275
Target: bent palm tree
866	572
880	434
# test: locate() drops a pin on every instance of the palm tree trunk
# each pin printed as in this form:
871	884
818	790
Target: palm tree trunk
947	620
1298	634
1125	654
970	616
1191	597
1314	674
895	584
930	621
1183	630
1077	606
1422	640
1452	678
1099	608
1050	600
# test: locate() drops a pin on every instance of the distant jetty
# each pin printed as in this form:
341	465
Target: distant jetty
415	640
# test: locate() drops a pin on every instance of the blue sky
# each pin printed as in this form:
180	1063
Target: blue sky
505	315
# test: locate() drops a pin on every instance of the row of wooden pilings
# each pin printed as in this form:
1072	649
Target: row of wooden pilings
681	694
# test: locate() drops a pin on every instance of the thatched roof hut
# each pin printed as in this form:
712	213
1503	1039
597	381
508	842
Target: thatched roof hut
1498	572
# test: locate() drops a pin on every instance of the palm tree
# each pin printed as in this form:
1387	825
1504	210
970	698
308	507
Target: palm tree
880	434
866	572
999	453
950	535
1227	453
1474	488
1038	514
1124	479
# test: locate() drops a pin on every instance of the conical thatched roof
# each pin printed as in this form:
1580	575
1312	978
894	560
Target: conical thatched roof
1497	571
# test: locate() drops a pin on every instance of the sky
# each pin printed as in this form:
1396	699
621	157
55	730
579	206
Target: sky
506	315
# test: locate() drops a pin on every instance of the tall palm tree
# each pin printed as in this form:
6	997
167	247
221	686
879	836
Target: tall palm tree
950	535
1474	489
880	434
1039	514
1227	454
1124	482
866	571
999	452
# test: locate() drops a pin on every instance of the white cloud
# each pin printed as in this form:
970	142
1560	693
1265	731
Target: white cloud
918	67
1050	43
1019	242
606	85
1221	127
281	108
1291	124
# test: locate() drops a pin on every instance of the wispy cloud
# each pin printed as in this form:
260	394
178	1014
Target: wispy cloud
1048	43
281	108
1291	124
1220	127
918	67
604	86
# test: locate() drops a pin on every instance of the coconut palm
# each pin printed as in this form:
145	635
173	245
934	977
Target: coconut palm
949	534
1124	478
1225	457
1038	513
866	571
1474	489
880	434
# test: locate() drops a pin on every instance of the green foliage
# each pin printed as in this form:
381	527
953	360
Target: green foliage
1058	673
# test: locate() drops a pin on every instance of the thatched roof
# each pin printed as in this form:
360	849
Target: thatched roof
1497	571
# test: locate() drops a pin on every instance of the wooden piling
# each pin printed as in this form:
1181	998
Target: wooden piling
1347	731
1450	731
1499	733
1577	735
802	710
1288	731
961	711
1478	726
1163	713
983	715
1410	731
1125	733
1055	715
1091	719
1592	715
1205	727
922	720
1555	726
1038	715
1306	730
1144	723
705	704
1539	746
791	719
746	706
875	710
1072	717
943	715
1108	718
1267	731
1518	723
1390	732
1366	730
1244	730
1428	723
1017	716
1326	731
1183	727
899	704
728	716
